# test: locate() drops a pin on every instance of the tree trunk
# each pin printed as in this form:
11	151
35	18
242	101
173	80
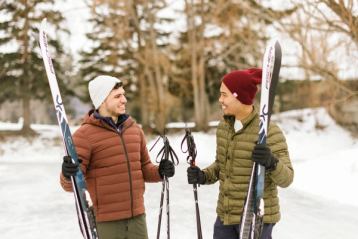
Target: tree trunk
144	109
26	128
204	104
192	46
26	113
143	101
160	109
197	69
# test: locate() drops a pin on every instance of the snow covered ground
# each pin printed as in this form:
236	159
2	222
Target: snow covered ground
321	203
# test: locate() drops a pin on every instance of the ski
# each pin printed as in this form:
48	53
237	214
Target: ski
84	204
253	211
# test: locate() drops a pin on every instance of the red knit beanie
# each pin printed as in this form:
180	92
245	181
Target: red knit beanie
242	84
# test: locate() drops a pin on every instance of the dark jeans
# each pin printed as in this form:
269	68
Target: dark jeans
222	231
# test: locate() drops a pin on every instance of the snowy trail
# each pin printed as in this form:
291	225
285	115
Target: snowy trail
311	217
35	206
319	203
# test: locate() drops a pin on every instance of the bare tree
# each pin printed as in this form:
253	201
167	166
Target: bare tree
133	50
318	31
325	33
153	62
197	59
346	20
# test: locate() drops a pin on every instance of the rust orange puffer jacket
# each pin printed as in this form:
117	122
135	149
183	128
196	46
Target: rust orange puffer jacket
115	165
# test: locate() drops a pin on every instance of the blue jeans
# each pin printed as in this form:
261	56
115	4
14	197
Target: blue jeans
222	231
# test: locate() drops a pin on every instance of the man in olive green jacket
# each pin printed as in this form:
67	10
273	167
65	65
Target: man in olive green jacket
236	150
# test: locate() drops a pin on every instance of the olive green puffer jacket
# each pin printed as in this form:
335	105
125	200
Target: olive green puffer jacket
233	166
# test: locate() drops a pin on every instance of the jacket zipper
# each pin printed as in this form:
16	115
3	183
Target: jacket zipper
129	171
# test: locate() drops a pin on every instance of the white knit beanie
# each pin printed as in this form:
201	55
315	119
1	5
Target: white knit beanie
100	87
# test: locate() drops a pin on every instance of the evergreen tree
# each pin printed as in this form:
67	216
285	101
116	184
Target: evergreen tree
23	77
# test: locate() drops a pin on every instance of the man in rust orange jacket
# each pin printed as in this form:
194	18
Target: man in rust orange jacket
115	162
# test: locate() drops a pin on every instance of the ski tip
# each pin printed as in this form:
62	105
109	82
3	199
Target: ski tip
278	50
43	23
273	43
277	43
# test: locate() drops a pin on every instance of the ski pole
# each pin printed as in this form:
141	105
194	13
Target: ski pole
165	153
192	152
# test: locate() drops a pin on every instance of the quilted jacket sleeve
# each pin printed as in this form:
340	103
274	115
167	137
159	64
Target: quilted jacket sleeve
283	174
150	171
212	173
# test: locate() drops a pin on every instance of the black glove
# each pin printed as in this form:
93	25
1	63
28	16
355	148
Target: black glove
262	155
195	175
68	167
166	168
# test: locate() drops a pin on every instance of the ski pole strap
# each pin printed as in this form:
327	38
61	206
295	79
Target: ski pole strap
191	147
166	152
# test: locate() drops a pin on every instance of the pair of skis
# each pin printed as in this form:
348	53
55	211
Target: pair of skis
84	205
253	211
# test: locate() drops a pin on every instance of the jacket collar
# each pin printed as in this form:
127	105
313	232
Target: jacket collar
108	120
230	119
94	118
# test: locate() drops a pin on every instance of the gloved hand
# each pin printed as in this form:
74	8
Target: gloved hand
262	155
195	175
166	168
68	167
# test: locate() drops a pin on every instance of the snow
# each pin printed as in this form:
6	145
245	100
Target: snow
321	199
328	155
